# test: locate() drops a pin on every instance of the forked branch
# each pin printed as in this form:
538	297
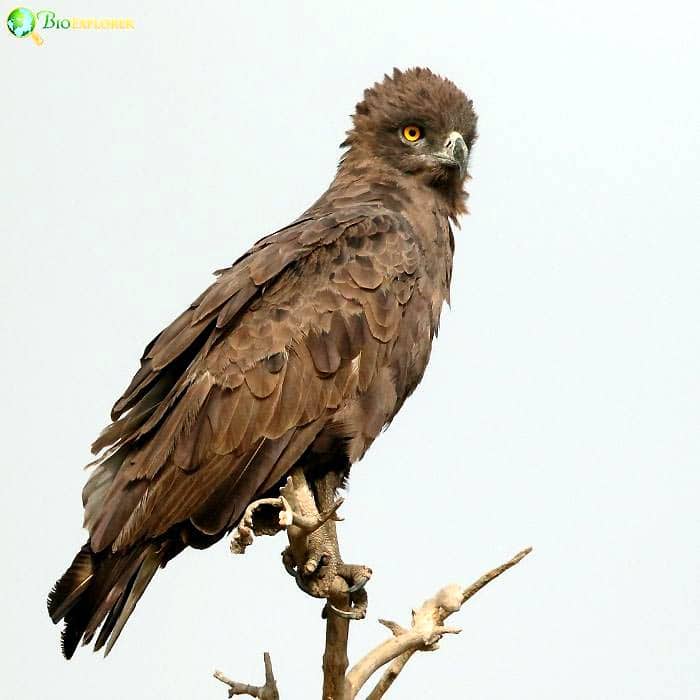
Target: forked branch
312	557
263	692
427	628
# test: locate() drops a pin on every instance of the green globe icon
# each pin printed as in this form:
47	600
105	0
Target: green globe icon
21	22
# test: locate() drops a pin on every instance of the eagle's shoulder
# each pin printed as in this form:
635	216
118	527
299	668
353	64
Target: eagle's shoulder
356	247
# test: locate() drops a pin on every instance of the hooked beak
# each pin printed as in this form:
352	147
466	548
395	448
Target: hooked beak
454	153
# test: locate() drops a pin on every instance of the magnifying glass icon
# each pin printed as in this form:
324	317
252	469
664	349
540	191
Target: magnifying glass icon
21	23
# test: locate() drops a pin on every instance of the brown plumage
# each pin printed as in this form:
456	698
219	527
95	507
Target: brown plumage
299	354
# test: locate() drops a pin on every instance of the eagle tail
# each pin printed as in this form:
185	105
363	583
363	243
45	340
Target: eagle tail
101	588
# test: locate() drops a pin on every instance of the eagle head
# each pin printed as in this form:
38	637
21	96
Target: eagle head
417	123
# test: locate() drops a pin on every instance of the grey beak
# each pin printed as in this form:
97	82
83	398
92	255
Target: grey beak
455	150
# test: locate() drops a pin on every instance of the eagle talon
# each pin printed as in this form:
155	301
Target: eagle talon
359	585
312	584
358	599
357	603
288	562
346	614
355	575
357	612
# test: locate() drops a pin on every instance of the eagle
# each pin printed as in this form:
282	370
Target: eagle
297	356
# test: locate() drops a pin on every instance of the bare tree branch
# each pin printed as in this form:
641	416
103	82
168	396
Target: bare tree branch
263	692
313	559
390	675
426	630
335	657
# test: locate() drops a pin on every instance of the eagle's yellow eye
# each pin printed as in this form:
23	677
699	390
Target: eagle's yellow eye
412	132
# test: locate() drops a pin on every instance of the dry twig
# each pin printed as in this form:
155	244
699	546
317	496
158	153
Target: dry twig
426	630
263	692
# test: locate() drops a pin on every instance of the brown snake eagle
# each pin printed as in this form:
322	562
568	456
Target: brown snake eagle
296	356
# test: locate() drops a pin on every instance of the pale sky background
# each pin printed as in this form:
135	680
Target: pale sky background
561	407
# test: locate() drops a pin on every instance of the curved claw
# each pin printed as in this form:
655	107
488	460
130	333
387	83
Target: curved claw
356	576
359	584
288	562
358	600
358	606
297	578
347	614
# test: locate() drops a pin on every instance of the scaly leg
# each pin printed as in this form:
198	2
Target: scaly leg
320	570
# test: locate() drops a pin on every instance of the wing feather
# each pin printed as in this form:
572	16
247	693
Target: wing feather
233	393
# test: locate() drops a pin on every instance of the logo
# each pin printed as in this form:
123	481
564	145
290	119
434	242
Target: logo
21	22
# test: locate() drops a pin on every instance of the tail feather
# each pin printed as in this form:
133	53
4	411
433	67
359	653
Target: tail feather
97	588
143	577
109	623
71	585
110	585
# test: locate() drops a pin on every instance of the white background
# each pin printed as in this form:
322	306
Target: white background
561	407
